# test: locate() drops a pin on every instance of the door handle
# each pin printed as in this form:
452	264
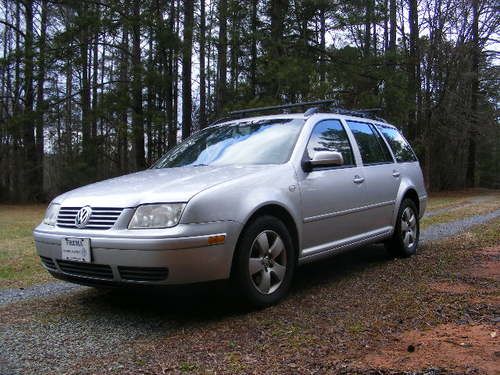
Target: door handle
395	174
358	179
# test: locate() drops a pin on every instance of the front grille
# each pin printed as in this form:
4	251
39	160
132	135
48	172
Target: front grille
143	273
49	263
101	217
100	271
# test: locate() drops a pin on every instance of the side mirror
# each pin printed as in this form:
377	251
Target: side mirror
324	159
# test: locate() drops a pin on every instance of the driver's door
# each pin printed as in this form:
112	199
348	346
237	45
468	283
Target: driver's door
332	197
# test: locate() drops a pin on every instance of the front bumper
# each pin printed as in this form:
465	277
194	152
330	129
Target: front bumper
178	255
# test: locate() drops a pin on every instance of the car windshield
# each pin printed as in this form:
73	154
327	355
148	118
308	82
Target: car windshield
268	141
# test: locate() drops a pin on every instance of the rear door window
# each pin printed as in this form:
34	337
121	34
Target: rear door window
371	146
400	147
330	135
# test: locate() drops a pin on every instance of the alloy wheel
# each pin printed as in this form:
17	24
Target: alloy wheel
408	227
268	262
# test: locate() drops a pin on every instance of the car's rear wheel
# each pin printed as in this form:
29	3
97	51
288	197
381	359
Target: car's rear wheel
264	262
404	241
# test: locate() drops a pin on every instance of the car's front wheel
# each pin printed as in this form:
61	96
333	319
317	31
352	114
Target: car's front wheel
265	261
404	241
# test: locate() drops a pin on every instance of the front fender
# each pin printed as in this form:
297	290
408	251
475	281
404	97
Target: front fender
239	199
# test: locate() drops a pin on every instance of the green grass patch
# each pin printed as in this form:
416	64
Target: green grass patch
457	198
19	265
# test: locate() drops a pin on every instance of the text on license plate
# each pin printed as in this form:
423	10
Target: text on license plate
76	249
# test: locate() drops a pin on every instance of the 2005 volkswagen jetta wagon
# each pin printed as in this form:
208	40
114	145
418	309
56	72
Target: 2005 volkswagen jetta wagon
247	200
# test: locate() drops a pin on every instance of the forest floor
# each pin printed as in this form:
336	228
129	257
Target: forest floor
357	312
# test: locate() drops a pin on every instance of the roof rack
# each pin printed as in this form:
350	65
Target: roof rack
303	105
310	109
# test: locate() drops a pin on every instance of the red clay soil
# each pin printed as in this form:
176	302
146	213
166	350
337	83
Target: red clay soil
451	288
489	269
460	348
455	347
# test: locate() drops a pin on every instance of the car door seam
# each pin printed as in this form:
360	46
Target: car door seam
347	212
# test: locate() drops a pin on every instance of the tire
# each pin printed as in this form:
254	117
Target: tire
264	262
404	241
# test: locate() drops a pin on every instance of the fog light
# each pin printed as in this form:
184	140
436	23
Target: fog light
217	239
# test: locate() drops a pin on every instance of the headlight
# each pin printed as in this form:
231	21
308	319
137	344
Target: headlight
51	214
150	216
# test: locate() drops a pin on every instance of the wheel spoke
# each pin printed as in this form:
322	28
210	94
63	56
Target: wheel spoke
265	282
411	237
279	271
412	221
263	243
276	248
406	239
255	265
404	226
404	217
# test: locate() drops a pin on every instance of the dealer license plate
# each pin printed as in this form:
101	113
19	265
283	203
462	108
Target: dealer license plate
76	249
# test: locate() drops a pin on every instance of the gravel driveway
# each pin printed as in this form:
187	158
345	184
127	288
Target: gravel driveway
48	328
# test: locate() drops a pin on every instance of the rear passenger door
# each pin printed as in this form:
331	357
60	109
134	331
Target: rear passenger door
382	177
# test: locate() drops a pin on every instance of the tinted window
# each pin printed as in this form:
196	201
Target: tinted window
400	147
371	145
248	142
330	135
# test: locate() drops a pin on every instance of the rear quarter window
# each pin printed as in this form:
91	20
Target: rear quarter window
400	147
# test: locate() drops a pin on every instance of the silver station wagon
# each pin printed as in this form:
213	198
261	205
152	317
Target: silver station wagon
247	200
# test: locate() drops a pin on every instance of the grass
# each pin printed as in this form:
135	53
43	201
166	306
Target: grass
451	199
19	266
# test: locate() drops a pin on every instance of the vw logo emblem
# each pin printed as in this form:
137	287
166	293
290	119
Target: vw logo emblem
83	217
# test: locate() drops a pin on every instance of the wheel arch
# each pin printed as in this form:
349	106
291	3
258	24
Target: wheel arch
409	192
280	212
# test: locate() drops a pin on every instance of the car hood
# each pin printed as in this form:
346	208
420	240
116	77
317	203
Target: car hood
154	185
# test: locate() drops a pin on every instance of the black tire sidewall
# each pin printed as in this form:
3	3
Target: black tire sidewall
241	273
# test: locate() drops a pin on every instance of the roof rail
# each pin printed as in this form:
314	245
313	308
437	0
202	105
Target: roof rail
365	113
310	109
282	107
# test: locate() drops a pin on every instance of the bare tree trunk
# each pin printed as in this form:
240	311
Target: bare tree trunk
175	76
85	96
95	72
30	188
368	24
187	100
322	68
278	9
40	103
413	71
150	103
476	52
253	48
386	25
137	112
234	47
222	56
123	90
68	121
172	125
393	24
203	97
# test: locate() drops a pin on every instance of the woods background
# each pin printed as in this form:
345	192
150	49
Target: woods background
94	89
